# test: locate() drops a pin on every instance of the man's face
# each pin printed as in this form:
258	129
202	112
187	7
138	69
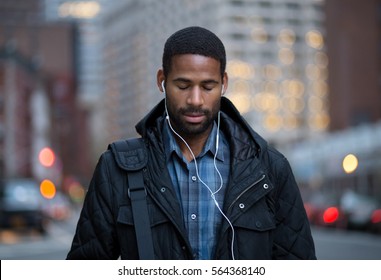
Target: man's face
193	94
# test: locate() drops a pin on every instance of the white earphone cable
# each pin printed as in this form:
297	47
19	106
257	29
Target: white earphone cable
212	194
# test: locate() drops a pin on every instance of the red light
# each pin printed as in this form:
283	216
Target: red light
376	216
330	215
46	157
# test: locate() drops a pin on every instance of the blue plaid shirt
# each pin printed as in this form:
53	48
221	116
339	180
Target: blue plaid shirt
201	216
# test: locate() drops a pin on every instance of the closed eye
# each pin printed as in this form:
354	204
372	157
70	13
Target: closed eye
183	87
209	86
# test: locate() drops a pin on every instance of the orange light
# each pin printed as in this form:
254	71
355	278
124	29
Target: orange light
330	215
46	157
47	189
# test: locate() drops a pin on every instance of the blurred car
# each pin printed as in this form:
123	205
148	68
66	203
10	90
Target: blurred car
324	210
21	205
361	210
58	208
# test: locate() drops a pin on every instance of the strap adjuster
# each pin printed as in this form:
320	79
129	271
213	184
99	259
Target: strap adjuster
136	190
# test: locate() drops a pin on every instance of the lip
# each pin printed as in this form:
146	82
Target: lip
194	118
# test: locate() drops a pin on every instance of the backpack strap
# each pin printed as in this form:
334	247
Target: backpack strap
131	155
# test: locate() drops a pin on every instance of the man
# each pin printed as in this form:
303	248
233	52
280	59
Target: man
215	189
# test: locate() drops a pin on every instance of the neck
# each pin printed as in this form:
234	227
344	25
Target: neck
196	144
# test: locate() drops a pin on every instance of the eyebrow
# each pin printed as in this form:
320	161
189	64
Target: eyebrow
184	80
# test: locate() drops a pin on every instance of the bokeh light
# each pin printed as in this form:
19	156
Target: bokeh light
331	215
350	163
46	157
47	189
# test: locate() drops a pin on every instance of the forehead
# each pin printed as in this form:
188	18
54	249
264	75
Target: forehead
194	64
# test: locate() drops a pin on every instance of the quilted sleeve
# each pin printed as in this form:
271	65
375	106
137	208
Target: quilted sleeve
95	235
292	238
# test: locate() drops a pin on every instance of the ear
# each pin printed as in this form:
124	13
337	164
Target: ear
225	83
159	79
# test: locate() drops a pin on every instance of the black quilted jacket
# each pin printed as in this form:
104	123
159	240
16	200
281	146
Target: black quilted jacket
262	202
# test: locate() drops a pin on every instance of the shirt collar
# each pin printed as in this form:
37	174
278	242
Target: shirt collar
171	145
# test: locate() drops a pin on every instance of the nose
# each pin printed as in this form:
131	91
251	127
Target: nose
195	97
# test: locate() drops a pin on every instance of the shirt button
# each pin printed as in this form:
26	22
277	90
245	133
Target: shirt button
241	205
265	186
194	178
193	216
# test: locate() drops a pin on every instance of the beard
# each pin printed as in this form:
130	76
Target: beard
186	129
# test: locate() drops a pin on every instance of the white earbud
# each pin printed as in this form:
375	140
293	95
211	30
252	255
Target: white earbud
162	87
165	103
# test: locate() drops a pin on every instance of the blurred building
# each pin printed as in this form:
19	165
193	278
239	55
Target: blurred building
86	16
16	85
353	35
276	60
354	40
38	94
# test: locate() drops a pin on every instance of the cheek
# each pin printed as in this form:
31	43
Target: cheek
216	104
173	104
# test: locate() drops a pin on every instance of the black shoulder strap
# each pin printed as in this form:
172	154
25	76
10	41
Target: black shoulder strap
131	155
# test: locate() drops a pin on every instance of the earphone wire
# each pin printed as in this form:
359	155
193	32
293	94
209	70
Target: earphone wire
212	194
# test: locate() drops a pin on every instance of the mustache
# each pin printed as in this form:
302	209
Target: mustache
192	110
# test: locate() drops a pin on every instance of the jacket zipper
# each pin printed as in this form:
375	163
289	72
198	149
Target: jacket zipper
244	191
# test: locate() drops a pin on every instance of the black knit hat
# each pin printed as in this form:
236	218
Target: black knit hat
194	40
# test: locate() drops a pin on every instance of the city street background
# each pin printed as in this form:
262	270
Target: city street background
78	75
